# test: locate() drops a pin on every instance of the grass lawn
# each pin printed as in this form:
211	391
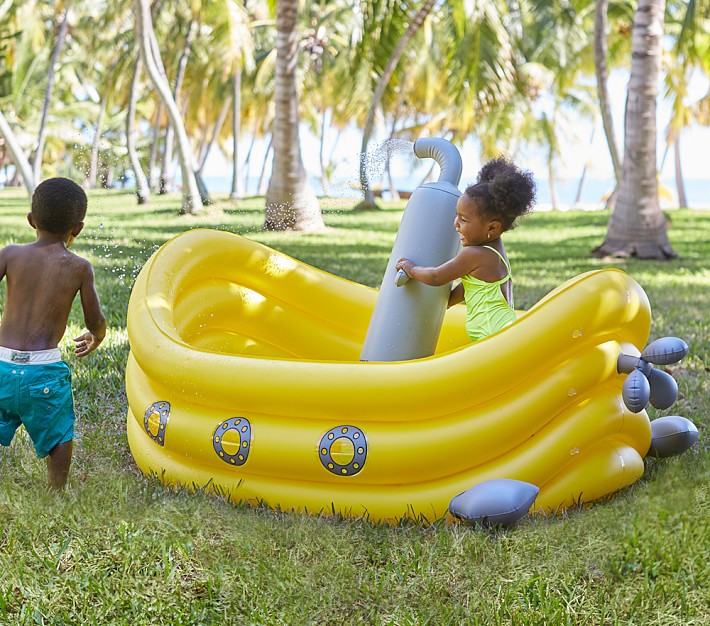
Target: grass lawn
119	548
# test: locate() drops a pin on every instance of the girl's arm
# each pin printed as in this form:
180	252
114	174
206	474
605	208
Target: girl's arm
465	262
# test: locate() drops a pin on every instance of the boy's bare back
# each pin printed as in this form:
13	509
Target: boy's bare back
43	279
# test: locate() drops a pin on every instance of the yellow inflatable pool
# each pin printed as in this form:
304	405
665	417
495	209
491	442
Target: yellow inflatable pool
244	378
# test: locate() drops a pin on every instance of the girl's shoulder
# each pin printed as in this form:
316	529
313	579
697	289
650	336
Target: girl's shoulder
484	254
487	262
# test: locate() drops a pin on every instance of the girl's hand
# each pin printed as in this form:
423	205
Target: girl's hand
406	265
85	344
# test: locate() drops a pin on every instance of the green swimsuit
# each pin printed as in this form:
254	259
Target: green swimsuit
487	311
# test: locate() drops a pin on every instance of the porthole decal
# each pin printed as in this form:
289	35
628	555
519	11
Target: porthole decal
343	450
155	421
232	440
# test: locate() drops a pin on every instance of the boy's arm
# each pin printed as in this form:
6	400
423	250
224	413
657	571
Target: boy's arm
3	263
93	316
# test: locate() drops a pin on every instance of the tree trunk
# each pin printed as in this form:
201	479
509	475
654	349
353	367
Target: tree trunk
22	164
260	185
167	182
290	201
236	131
247	163
142	186
58	45
324	178
369	201
202	188
394	192
92	174
191	200
107	180
638	226
152	160
600	53
551	182
582	178
679	184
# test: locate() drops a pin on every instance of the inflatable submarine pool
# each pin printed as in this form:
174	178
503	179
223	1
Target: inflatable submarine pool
245	377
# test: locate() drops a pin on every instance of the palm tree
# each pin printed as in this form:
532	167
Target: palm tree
229	38
236	191
18	156
142	186
638	226
326	68
290	202
191	200
689	53
382	83
62	27
600	66
166	179
15	67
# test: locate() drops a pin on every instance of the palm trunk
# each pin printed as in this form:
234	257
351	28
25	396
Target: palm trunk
142	187
22	165
290	201
582	178
247	162
260	185
679	184
394	192
107	181
369	201
551	182
638	226
153	159
324	178
166	182
191	200
58	45
600	54
236	132
92	174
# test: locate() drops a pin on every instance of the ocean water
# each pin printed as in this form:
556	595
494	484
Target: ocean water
594	191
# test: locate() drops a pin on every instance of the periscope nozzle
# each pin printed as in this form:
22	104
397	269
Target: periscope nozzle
406	321
445	154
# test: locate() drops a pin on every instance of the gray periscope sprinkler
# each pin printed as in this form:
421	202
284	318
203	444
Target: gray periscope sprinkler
406	321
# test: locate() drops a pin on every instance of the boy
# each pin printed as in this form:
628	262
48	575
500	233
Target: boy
42	280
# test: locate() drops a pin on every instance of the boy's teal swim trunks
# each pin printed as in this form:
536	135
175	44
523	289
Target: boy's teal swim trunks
35	390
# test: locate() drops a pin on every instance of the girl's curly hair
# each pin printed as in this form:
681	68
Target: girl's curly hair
503	191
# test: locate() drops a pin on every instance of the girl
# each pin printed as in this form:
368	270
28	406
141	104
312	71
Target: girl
487	209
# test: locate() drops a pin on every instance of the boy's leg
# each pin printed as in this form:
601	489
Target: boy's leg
58	463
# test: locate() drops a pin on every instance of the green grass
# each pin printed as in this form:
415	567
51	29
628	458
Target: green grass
119	548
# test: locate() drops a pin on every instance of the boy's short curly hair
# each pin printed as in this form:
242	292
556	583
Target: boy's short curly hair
503	191
58	204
